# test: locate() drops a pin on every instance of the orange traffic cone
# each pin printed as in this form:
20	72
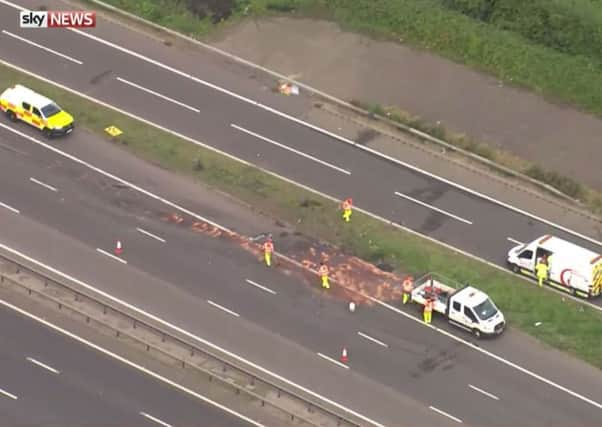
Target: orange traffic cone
118	248
344	357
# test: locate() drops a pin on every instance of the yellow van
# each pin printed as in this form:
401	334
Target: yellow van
21	103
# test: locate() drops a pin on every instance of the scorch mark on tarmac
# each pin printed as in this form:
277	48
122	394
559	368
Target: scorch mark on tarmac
331	360
286	147
154	419
116	258
158	95
42	365
40	183
426	205
39	46
493	396
221	307
445	414
257	285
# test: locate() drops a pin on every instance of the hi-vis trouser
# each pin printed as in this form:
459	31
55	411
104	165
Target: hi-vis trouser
268	258
406	297
428	316
347	215
325	283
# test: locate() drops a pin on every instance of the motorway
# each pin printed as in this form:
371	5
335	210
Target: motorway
49	379
208	104
286	330
79	212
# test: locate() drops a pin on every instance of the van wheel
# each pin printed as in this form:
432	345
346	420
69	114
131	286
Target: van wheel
476	333
11	115
46	133
515	268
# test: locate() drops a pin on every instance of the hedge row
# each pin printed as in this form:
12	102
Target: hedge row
573	27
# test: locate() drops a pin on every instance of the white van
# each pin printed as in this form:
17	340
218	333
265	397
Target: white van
463	305
572	269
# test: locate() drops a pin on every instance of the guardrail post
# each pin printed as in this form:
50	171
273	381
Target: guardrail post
76	297
104	309
45	283
162	337
191	352
134	323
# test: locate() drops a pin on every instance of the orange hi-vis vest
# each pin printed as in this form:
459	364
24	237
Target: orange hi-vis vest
407	285
323	271
428	306
347	204
268	247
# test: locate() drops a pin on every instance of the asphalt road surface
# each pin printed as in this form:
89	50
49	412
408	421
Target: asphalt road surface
49	379
398	367
227	118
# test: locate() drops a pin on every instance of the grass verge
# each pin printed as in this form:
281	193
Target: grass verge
591	198
514	58
566	325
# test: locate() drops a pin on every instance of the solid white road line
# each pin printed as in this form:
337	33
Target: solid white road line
221	227
42	365
487	353
257	285
309	125
111	256
154	419
426	205
146	233
49	187
493	396
510	239
10	208
221	307
7	394
445	414
331	360
157	94
128	362
368	337
286	147
62	55
244	162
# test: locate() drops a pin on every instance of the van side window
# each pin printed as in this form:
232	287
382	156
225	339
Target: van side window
526	255
468	313
36	112
456	306
26	106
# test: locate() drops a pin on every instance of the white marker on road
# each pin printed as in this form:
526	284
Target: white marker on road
331	360
286	147
43	365
445	414
368	337
7	394
221	307
426	205
10	208
510	239
49	187
257	285
111	256
146	233
493	396
129	362
39	46
154	419
158	95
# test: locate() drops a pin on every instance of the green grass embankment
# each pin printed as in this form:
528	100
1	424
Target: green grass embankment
565	325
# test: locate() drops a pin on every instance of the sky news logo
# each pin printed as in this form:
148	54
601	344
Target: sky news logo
57	19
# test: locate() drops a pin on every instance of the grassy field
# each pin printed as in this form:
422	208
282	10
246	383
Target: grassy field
565	325
553	47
